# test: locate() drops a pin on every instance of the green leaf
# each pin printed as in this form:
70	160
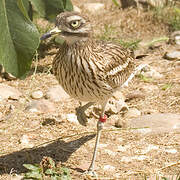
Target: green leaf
52	163
65	174
34	174
116	3
144	78
39	6
68	5
54	7
23	6
166	86
31	167
19	39
49	172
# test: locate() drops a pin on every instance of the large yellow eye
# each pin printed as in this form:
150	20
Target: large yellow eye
75	24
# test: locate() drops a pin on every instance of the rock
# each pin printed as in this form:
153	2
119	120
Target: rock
8	92
56	94
175	38
25	142
156	123
132	113
41	106
72	118
37	94
114	106
76	9
173	55
149	72
94	7
16	177
109	168
172	151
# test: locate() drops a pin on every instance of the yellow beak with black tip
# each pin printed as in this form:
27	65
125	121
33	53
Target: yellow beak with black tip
50	33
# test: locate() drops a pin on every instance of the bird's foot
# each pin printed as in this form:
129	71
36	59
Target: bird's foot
91	174
81	116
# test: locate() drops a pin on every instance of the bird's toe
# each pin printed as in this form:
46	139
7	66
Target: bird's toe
91	174
81	117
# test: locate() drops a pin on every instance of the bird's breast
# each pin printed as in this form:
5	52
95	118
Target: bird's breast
79	78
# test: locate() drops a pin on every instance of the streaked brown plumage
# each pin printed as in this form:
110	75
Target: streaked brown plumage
89	70
92	71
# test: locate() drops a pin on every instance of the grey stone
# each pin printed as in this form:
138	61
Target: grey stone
158	122
150	72
71	118
8	92
173	55
114	106
16	177
175	38
132	113
25	142
37	94
40	106
56	94
109	168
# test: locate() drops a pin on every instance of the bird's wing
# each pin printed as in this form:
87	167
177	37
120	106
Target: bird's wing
117	63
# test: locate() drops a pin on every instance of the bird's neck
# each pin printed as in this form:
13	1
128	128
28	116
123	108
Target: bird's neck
76	42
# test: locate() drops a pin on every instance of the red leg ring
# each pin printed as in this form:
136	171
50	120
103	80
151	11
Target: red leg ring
103	119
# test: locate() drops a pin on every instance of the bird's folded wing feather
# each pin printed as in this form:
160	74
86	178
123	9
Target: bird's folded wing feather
117	63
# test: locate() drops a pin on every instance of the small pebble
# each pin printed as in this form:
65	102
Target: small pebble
8	92
41	106
72	118
25	141
56	94
37	94
17	177
132	113
109	168
174	55
172	151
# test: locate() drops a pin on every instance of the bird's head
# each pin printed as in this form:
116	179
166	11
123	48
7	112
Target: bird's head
71	26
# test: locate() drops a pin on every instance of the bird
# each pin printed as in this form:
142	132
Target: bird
89	70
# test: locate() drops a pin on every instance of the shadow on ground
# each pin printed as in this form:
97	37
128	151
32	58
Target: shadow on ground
59	151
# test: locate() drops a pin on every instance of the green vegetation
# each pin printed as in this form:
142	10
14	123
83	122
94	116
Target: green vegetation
166	86
19	36
110	34
144	78
169	15
46	170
